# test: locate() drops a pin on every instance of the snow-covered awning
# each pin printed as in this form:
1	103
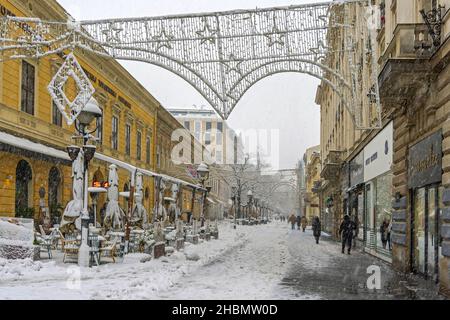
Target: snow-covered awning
12	143
30	148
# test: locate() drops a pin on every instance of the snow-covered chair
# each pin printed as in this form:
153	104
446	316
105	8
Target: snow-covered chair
109	250
94	249
71	248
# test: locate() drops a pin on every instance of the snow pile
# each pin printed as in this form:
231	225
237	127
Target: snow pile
17	269
15	233
16	239
192	254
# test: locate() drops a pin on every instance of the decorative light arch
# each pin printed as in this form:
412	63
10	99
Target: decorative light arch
223	54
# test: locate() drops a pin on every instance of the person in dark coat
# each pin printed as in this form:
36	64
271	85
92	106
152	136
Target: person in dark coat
299	222
292	220
347	232
317	228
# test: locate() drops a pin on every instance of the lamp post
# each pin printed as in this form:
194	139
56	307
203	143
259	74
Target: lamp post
203	174
90	112
250	202
257	205
233	198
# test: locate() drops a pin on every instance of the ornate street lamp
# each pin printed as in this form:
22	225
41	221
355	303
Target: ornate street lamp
250	202
73	152
90	112
203	174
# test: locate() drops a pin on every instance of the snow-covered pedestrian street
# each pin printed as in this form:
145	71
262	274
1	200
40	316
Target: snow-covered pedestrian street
253	262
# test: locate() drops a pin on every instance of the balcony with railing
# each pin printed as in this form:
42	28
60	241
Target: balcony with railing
405	64
332	165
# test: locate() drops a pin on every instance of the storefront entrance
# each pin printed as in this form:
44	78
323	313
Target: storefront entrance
424	181
426	236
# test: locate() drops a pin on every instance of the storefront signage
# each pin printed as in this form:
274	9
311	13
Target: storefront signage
357	170
379	154
425	162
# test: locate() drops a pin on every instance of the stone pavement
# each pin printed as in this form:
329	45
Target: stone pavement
324	271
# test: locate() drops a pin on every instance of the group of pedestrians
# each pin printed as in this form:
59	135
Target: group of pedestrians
347	230
302	223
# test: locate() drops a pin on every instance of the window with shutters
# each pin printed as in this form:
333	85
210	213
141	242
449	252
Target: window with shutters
56	115
138	145
115	133
28	86
148	150
128	139
99	131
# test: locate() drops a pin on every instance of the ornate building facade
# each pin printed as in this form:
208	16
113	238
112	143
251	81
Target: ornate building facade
397	175
134	132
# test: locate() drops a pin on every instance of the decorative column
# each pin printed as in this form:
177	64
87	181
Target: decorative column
444	263
399	235
401	225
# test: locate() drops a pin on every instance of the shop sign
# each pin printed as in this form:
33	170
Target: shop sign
379	154
357	170
425	162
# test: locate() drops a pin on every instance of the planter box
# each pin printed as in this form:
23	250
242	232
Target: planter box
159	250
192	239
180	244
208	236
13	252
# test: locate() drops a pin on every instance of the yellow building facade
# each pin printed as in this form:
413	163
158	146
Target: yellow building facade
29	120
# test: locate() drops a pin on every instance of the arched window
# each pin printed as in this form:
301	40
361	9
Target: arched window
54	188
24	190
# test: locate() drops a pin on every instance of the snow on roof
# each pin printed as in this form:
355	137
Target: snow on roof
26	144
32	146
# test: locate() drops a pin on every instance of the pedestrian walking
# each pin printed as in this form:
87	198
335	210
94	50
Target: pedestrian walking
304	222
347	232
299	222
292	221
389	231
384	232
317	228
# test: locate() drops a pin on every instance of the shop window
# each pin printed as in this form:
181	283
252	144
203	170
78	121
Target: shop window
24	190
28	87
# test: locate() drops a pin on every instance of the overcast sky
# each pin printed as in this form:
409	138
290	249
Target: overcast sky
283	101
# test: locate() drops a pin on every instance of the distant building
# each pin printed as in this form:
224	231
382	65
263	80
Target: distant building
213	133
208	128
313	169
